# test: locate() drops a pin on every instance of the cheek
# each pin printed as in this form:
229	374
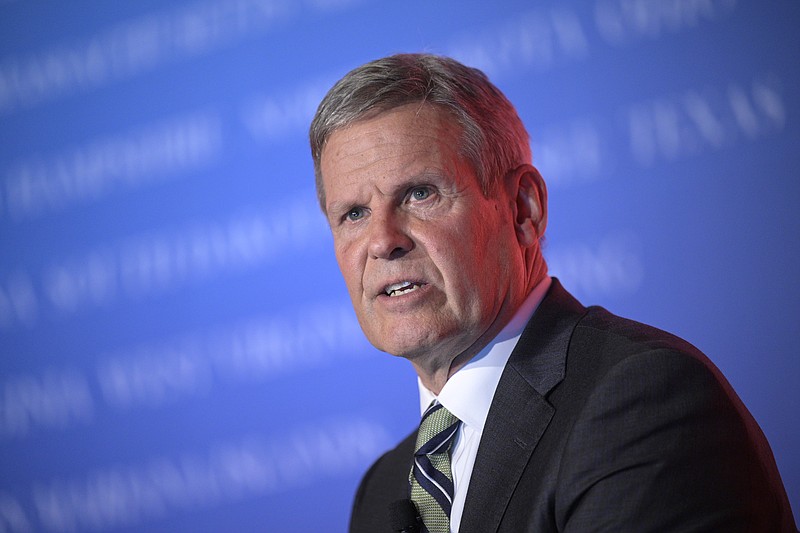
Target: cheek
476	259
463	260
350	265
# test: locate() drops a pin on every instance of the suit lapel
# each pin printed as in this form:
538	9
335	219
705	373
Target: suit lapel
520	413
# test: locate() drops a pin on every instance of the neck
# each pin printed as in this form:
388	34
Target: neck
434	377
435	372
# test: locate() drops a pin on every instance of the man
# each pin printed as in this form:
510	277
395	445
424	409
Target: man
539	414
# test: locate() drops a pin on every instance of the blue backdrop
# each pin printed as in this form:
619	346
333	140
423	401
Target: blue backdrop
177	350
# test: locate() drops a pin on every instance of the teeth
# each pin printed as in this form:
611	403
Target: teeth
403	287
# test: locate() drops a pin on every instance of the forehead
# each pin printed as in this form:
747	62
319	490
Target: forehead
395	140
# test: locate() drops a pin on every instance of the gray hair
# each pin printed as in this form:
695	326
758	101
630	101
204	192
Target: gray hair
493	138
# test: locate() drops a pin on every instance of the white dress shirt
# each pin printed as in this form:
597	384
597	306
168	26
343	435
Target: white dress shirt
469	393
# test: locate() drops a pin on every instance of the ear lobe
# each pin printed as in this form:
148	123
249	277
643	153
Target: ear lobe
530	205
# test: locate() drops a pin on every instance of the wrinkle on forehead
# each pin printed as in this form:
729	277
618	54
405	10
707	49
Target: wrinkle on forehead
428	134
435	118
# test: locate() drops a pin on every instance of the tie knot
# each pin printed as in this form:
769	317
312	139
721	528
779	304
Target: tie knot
436	430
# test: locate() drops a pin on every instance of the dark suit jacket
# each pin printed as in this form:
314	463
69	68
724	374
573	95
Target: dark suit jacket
603	424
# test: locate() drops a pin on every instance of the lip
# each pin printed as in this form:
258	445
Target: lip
381	291
402	301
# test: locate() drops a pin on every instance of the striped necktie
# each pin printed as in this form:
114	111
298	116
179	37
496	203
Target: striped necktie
431	478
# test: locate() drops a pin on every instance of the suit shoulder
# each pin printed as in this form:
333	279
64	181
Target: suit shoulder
385	482
607	335
394	460
606	349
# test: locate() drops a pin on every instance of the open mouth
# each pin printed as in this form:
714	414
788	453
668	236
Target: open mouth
399	289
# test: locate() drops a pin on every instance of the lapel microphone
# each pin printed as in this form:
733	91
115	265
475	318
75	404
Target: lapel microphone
403	516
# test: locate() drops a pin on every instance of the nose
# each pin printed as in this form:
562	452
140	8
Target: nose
388	237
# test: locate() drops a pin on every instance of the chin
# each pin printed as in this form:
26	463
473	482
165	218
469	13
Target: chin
401	349
415	337
407	346
415	347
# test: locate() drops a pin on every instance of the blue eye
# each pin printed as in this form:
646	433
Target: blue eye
420	193
356	213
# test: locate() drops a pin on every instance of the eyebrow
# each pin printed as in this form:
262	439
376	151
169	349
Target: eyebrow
426	176
336	208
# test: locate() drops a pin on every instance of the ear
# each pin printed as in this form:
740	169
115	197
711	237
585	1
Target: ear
529	195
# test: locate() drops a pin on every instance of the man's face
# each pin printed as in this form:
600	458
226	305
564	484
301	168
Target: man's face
429	262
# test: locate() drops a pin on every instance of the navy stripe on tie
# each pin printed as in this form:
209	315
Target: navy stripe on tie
438	441
432	489
435	487
436	476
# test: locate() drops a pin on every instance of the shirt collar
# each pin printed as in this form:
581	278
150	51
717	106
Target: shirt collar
469	392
